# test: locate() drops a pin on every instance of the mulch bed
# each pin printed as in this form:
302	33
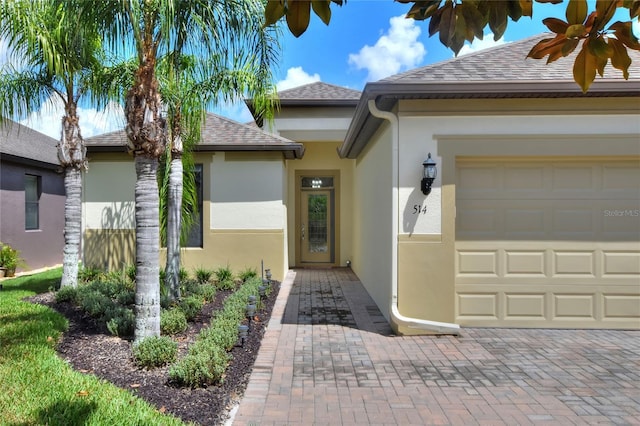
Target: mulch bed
90	349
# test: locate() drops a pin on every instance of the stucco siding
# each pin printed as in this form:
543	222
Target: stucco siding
323	156
243	213
372	219
246	192
38	247
550	131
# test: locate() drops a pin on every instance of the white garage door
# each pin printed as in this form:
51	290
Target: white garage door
548	243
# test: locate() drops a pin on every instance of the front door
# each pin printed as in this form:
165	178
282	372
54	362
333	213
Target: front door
316	220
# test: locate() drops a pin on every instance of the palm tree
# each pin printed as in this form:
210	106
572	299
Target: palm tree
57	56
188	89
154	29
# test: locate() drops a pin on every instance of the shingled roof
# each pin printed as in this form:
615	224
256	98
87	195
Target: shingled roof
218	134
499	72
319	93
507	62
20	143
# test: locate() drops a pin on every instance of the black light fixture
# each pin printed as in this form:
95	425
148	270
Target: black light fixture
429	174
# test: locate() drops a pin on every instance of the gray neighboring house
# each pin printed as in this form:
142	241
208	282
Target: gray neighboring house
32	195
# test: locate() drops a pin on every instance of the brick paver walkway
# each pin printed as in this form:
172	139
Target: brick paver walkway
329	358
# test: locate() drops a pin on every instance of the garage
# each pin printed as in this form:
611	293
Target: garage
548	242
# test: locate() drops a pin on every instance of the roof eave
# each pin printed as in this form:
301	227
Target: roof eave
364	124
29	161
289	151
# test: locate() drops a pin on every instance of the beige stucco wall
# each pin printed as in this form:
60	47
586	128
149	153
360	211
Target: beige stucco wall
243	213
323	156
372	219
451	129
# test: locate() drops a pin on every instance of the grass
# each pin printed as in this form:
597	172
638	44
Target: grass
37	386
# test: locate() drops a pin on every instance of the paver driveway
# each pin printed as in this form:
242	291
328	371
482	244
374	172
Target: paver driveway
329	358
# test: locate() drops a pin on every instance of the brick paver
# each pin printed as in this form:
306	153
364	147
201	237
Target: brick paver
328	357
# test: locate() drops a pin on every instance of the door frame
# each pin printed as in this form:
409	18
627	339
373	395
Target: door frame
335	174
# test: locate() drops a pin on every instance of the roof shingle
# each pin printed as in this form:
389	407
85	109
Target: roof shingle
23	142
507	62
319	91
218	134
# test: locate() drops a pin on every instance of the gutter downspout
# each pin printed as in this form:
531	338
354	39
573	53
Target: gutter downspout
396	317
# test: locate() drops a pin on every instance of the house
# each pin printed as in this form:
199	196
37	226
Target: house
32	195
532	219
241	183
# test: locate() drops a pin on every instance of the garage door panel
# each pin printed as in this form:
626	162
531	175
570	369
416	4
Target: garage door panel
553	245
621	177
574	263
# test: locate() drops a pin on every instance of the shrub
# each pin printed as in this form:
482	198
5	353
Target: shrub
130	272
191	306
67	294
172	321
95	303
247	273
10	259
110	285
207	291
203	276
224	274
200	368
120	321
155	352
182	274
87	274
189	287
126	297
226	285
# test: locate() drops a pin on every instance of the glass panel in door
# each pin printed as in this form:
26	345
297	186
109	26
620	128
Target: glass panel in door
316	228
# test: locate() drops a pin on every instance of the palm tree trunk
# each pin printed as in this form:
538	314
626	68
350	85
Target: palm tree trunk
174	218
72	154
147	308
72	226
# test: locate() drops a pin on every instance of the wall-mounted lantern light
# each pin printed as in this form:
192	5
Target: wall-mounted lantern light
429	175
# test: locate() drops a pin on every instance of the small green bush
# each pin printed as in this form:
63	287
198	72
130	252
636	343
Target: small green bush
126	297
207	291
203	276
87	274
183	274
95	304
224	274
130	272
200	369
248	273
155	352
120	321
67	294
189	287
226	285
172	321
191	306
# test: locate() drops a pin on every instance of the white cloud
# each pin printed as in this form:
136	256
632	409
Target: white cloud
477	45
92	122
395	51
296	76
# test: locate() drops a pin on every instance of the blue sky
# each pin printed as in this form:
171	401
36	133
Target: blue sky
366	40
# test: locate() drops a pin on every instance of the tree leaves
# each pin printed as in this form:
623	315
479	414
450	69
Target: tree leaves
297	13
576	11
457	21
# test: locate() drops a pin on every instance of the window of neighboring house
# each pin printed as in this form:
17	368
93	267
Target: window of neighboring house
195	235
31	202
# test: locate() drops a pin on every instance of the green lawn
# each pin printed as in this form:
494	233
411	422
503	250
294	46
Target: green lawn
36	386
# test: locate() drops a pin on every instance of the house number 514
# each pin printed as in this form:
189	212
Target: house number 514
418	209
